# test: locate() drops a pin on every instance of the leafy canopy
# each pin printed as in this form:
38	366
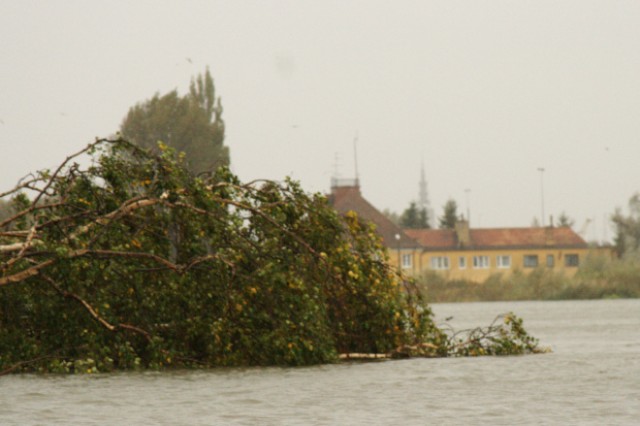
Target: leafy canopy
133	262
191	124
627	228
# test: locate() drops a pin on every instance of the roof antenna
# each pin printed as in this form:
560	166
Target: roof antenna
336	171
355	158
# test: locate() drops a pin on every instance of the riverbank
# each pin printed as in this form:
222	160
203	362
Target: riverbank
617	279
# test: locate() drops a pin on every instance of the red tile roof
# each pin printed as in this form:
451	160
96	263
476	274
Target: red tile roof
349	198
434	238
499	238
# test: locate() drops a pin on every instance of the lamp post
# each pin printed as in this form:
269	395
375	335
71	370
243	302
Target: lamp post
541	170
397	237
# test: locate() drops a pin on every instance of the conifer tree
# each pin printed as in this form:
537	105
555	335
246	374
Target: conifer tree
414	218
449	215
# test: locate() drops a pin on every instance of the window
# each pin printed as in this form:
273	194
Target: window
480	262
551	262
530	260
571	260
407	261
503	261
462	262
440	262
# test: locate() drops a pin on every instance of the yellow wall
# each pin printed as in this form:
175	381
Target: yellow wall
395	258
422	262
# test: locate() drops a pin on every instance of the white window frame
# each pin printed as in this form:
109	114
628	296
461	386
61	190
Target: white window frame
503	261
574	262
440	262
481	262
407	261
551	261
462	262
531	257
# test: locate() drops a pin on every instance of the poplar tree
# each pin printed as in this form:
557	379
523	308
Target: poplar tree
190	124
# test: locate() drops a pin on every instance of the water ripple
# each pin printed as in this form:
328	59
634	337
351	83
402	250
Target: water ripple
592	378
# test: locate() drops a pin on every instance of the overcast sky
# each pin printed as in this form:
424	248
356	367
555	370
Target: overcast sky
483	92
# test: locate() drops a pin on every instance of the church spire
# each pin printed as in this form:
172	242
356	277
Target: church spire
423	196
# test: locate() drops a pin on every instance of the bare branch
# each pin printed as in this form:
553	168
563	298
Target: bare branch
11	247
124	209
29	210
27	273
106	324
23	363
128	254
23	249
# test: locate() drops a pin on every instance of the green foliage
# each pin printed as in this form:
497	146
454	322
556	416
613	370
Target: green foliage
191	124
135	263
449	215
414	218
627	239
505	336
392	216
565	220
5	210
598	277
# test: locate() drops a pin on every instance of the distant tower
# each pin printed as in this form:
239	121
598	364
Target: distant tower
336	180
423	197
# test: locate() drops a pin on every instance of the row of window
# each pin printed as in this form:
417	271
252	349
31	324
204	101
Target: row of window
502	261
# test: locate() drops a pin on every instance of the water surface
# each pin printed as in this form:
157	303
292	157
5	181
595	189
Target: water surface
592	377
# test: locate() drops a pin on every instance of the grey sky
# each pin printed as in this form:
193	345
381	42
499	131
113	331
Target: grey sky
484	92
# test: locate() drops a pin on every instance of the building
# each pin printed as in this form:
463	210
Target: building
465	253
345	196
476	254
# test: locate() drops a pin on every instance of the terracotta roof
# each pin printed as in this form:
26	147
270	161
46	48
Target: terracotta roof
499	238
434	238
349	198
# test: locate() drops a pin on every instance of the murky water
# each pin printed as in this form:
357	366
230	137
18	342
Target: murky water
593	377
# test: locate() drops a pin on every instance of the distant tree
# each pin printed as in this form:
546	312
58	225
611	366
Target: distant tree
423	218
5	210
450	215
627	227
565	221
392	216
191	124
414	218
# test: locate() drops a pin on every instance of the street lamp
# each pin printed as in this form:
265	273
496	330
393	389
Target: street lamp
541	170
397	237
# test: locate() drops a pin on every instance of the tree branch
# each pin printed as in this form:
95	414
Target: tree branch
26	273
106	324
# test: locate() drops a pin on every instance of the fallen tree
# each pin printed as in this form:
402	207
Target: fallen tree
132	262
